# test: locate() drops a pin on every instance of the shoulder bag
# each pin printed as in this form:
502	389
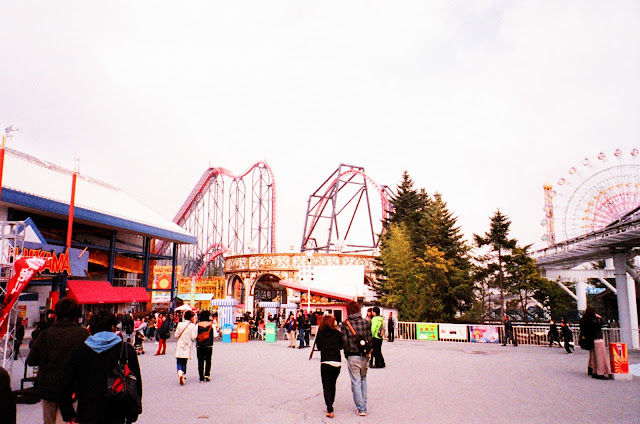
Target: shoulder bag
122	388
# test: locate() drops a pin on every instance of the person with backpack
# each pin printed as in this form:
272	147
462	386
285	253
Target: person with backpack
88	376
377	332
591	339
204	345
356	343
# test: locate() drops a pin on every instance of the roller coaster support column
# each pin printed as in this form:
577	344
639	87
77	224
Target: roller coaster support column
627	308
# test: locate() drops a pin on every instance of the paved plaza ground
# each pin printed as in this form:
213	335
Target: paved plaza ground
424	382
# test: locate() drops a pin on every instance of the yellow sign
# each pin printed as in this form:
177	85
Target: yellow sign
162	276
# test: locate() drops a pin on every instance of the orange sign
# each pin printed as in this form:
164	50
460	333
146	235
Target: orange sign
619	358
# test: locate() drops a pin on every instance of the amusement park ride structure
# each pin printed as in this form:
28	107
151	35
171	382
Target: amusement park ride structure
340	212
243	246
219	202
598	218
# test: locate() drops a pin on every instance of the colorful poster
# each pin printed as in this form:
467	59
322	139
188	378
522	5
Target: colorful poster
484	334
619	358
453	332
427	331
162	277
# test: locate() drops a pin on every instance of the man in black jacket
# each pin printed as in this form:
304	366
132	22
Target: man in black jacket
88	372
358	364
51	352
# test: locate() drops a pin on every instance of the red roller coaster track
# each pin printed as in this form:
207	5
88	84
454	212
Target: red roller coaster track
203	211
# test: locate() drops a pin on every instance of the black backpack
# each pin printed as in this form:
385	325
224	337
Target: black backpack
364	347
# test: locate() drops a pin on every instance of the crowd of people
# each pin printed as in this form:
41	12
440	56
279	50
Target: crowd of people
74	361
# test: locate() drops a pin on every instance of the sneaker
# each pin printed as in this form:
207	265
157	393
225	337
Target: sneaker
207	378
361	413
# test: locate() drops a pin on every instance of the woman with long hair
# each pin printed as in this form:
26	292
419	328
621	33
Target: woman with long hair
591	328
329	343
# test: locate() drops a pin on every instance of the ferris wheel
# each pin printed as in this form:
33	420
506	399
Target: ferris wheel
593	194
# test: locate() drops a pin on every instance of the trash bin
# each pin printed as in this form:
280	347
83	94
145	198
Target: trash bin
226	333
271	332
243	332
234	334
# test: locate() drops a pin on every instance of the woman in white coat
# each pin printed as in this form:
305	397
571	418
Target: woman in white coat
186	332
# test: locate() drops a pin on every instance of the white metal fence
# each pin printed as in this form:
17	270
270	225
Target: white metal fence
536	335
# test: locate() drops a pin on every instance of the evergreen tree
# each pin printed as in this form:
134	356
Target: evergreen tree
408	208
440	285
497	239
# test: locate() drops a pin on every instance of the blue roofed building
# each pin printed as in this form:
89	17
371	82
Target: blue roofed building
113	235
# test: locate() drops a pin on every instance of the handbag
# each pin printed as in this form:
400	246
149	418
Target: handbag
122	388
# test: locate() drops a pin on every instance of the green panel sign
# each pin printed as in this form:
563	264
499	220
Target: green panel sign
427	331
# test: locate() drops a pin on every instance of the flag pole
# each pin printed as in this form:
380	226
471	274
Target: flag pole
72	206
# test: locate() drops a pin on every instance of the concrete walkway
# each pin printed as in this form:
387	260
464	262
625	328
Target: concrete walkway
424	382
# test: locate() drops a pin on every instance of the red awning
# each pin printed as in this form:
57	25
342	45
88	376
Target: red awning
314	290
94	292
132	294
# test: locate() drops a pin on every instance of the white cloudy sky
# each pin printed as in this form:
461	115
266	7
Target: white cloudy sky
482	101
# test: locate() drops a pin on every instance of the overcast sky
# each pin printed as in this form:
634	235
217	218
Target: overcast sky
481	101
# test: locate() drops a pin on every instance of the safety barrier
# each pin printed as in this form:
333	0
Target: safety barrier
535	335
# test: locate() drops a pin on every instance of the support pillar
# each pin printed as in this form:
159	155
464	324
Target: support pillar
581	294
627	306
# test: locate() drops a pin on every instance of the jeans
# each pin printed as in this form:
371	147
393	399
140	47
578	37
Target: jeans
392	334
329	375
301	336
358	367
204	361
182	365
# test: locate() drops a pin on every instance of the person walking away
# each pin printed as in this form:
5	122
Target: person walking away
377	332
292	327
164	332
591	327
17	341
51	353
186	332
508	332
553	333
329	343
7	399
128	324
204	345
567	336
88	372
301	329
358	364
391	327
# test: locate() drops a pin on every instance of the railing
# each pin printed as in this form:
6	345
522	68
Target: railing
534	335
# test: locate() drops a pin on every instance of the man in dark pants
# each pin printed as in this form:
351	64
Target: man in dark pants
391	327
508	332
51	353
377	331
